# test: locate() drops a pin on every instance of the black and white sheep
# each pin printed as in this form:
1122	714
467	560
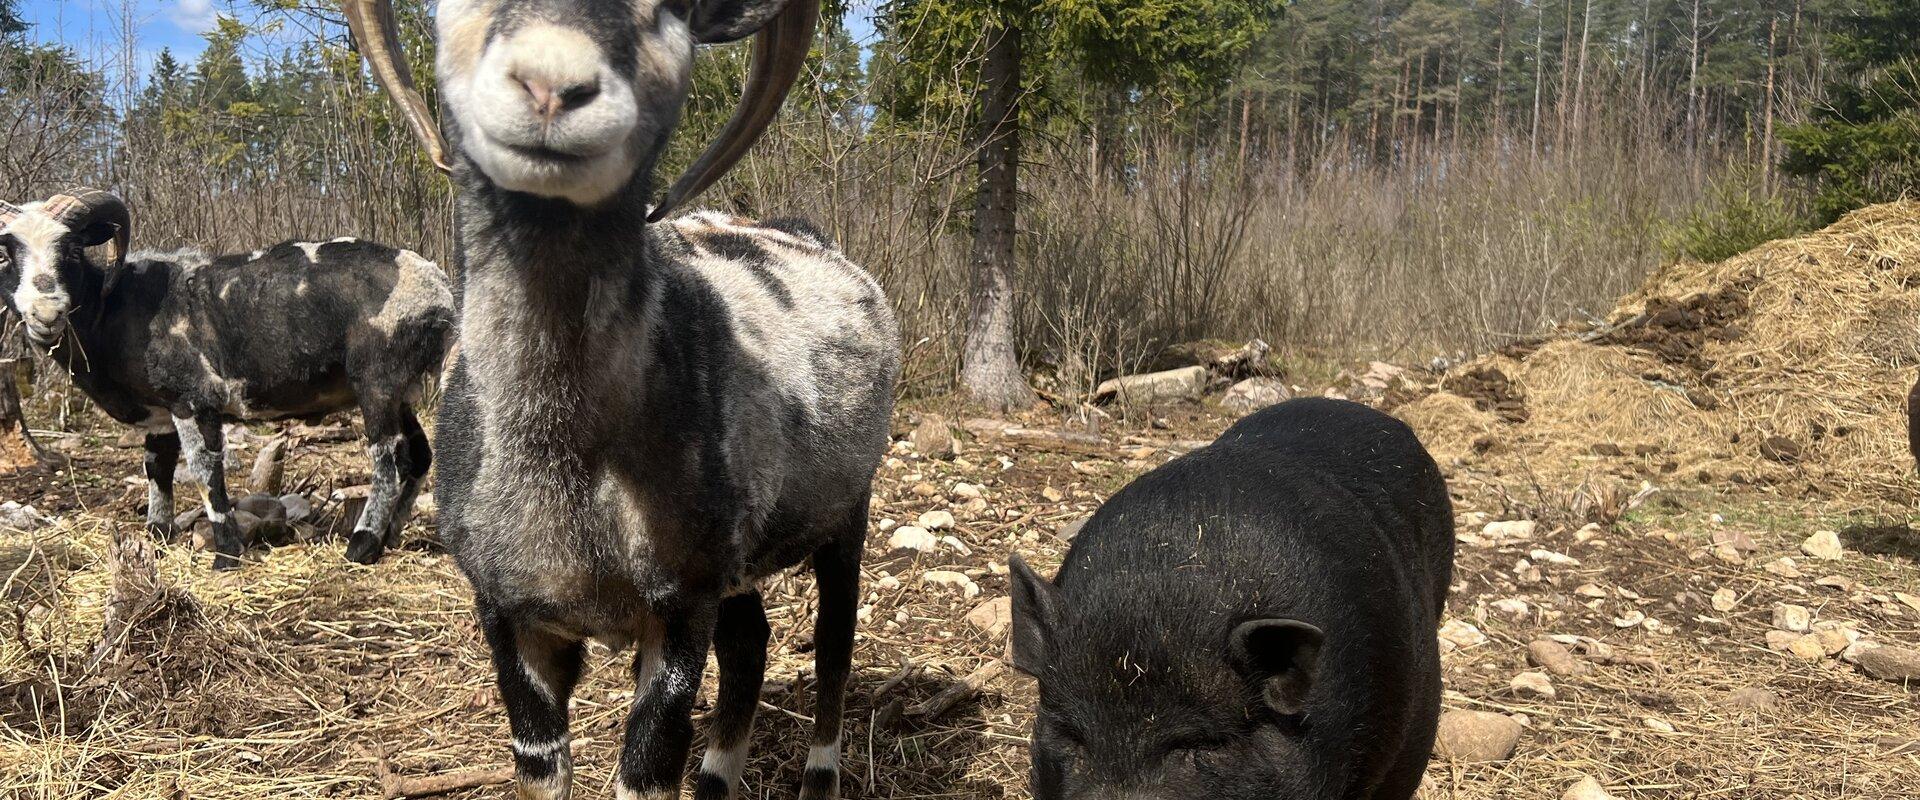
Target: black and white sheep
181	343
643	420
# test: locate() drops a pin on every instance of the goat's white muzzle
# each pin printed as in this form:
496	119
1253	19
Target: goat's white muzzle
546	115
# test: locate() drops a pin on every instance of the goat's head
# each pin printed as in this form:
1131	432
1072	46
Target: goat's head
574	99
44	269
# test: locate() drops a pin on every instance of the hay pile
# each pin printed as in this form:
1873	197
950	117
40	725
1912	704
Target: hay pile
1784	367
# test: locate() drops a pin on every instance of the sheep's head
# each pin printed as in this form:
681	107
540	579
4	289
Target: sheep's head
44	269
574	99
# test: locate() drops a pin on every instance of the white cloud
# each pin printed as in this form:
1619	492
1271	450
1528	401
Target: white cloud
193	16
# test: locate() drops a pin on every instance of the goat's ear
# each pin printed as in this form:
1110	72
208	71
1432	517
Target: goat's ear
98	234
718	21
1281	657
1036	613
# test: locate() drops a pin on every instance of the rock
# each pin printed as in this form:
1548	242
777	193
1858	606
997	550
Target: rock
924	489
933	437
1510	530
1859	648
1381	376
953	580
1553	657
262	506
888	583
1630	619
1511	608
1725	599
1556	559
1834	637
1808	647
1839	582
1462	634
1738	540
966	491
1823	545
1784	568
1587	788
1053	495
1781	449
993	616
185	520
131	438
1753	698
1592	590
1779	641
22	518
937	519
1790	617
1588	532
1532	684
1657	725
1476	736
1154	387
270	467
298	507
911	539
1891	663
1068	531
1254	394
247	522
953	543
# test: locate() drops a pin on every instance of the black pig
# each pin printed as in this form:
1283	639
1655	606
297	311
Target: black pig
1252	621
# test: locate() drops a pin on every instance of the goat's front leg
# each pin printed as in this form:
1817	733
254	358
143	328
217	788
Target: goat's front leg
206	446
163	454
537	671
666	672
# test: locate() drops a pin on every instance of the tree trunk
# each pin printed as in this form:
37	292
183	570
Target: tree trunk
989	370
1580	76
1766	135
1539	76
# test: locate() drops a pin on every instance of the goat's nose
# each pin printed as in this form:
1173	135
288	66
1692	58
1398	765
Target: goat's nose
550	100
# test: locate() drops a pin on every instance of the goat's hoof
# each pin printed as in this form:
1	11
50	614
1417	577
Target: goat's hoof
366	547
819	784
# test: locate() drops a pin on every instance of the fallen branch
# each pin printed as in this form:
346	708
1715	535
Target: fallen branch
1039	439
959	691
394	786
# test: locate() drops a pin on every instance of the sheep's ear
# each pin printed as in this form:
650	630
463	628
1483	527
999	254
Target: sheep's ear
1036	612
1281	656
718	21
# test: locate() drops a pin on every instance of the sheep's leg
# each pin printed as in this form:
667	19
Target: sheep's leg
536	671
740	645
206	447
163	455
666	673
836	569
400	458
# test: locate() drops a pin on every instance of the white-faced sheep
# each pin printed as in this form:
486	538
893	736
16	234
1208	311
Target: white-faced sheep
181	343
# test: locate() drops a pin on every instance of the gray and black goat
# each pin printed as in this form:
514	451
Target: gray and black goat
643	421
180	343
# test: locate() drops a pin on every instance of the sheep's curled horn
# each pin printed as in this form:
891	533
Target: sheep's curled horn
779	52
80	209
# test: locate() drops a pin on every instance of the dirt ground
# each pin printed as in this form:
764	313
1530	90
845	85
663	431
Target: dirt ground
307	676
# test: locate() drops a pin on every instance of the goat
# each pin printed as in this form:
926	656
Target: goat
180	343
643	420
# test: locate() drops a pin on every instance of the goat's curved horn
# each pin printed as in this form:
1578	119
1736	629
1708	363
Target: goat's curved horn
779	53
374	32
79	209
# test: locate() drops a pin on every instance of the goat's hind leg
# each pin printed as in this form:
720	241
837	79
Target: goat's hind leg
740	646
836	569
536	671
162	456
400	455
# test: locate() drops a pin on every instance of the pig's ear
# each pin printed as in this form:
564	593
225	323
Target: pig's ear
1282	656
1036	610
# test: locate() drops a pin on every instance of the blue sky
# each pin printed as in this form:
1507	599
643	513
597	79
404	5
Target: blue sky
92	27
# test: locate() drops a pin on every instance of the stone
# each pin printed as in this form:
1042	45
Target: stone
1462	634
1590	590
1725	599
966	491
1511	608
1784	568
298	507
1068	531
1791	617
1553	657
1657	725
993	617
937	519
270	467
263	506
888	583
1510	530
924	489
1154	387
1254	394
1807	647
1476	736
1834	638
1533	684
1631	618
1053	495
911	539
933	438
1556	559
1738	540
1837	582
1588	533
1778	640
1753	698
22	518
1891	663
1859	648
953	543
953	580
1587	788
1823	545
